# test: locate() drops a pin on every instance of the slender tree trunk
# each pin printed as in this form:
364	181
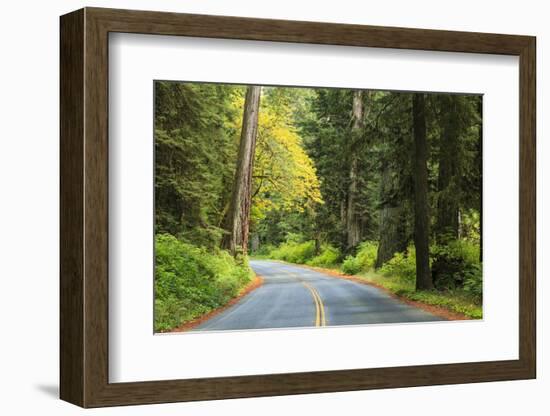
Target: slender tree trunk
392	232
344	219
353	219
317	239
238	215
446	227
421	217
480	156
254	242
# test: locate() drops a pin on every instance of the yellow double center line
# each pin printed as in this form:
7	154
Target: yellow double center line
320	319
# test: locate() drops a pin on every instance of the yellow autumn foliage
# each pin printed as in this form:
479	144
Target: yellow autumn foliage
284	175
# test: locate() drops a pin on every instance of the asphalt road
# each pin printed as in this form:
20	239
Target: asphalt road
294	296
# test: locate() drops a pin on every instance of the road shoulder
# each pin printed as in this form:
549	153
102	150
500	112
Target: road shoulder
254	284
433	309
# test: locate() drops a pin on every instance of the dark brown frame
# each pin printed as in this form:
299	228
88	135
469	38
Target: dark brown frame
84	207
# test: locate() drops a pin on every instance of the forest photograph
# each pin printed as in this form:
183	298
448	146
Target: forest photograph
297	207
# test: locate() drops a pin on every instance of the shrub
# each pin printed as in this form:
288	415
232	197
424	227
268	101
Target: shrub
294	252
454	263
294	238
351	265
402	265
329	256
454	266
264	250
473	282
189	281
364	259
366	254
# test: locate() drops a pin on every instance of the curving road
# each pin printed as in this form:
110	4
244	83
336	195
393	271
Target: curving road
294	296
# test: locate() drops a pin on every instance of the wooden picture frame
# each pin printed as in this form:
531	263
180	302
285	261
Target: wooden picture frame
84	207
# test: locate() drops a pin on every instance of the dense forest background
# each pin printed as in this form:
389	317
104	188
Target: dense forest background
371	182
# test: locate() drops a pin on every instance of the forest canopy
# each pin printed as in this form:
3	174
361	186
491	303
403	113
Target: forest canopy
356	179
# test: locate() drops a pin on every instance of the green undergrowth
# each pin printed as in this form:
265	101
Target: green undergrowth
192	281
454	300
363	260
303	253
457	272
329	256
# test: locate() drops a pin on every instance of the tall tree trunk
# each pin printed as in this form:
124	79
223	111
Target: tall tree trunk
421	217
392	232
344	219
238	215
480	156
317	239
446	227
353	219
254	242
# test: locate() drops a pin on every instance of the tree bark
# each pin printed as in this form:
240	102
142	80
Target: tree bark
446	227
392	229
480	156
254	242
353	219
317	240
421	217
238	216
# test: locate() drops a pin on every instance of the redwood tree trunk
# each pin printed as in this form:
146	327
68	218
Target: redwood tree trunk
421	218
393	235
238	215
353	219
480	159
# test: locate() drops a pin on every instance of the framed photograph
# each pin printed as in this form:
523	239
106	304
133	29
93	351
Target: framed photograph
255	207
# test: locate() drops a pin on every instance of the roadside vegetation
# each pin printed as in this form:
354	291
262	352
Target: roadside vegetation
191	281
384	185
458	290
209	139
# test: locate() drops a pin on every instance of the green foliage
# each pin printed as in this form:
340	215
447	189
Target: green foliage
263	250
455	301
469	225
402	265
285	177
458	300
294	252
456	263
330	142
362	261
195	148
366	254
301	187
294	237
351	265
190	281
473	281
328	257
